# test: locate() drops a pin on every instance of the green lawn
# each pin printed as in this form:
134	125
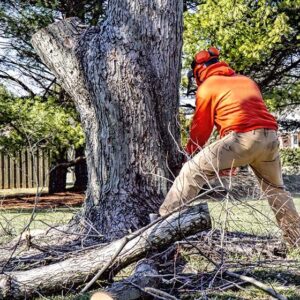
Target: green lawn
249	216
254	216
12	222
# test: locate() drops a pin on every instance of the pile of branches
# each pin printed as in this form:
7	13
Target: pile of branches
203	265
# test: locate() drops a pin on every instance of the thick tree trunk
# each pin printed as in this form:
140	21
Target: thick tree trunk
58	175
123	76
81	175
83	265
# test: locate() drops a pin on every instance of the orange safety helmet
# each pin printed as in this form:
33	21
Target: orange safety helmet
202	60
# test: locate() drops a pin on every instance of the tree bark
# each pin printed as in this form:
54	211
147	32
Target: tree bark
124	78
132	288
82	266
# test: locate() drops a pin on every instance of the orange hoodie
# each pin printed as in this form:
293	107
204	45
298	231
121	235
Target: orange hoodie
230	102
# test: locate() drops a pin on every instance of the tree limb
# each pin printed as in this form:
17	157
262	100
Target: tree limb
77	269
70	163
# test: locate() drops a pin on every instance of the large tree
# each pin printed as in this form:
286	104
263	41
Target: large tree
123	76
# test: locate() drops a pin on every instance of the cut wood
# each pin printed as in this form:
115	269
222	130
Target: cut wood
132	287
80	268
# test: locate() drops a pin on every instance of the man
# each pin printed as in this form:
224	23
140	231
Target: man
233	103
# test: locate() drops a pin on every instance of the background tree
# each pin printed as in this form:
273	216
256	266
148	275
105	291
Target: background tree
257	38
19	19
40	123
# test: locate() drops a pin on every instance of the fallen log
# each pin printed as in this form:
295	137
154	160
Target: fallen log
132	287
78	269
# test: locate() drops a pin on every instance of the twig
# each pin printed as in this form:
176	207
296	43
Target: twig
159	294
231	285
257	284
105	267
248	279
134	235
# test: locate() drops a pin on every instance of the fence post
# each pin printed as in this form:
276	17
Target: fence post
24	169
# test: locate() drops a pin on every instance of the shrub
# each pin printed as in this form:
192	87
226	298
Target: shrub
290	157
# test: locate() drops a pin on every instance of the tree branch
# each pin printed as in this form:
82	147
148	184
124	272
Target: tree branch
56	45
18	81
70	163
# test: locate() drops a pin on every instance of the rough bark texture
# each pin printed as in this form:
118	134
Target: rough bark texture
80	267
123	76
144	276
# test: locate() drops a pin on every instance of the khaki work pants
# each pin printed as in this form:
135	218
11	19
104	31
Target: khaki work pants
257	148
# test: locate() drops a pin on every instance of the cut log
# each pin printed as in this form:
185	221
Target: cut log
132	287
76	270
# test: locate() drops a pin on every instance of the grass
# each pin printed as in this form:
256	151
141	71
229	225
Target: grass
250	216
12	222
253	216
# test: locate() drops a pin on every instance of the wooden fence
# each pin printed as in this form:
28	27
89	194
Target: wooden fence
24	169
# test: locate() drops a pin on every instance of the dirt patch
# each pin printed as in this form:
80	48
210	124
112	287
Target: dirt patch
67	199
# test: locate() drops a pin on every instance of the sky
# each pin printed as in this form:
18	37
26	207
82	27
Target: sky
13	87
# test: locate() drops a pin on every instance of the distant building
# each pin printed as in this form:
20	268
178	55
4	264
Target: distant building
289	127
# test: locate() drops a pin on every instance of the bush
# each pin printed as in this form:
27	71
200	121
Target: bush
290	157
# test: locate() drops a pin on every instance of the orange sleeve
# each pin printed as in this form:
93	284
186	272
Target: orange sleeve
202	123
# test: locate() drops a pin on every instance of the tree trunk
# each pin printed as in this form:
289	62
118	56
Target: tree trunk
80	267
81	175
124	78
58	175
145	275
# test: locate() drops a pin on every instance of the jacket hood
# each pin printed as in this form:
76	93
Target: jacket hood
220	68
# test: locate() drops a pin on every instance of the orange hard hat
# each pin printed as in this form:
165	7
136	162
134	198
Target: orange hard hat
206	55
203	59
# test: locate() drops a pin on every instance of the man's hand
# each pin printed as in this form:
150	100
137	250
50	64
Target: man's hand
229	172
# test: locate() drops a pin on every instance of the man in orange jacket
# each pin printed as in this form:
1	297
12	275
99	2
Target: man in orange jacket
234	104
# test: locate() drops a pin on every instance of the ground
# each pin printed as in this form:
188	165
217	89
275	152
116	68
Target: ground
253	217
27	200
248	223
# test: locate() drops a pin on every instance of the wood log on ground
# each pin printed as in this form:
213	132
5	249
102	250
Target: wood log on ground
132	287
76	270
